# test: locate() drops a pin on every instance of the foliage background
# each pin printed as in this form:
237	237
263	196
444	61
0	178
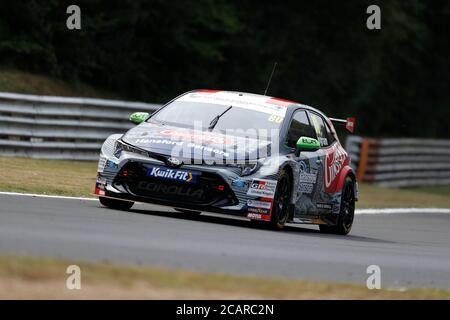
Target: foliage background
395	80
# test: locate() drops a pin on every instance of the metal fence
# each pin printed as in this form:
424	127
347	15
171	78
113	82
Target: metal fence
47	127
400	162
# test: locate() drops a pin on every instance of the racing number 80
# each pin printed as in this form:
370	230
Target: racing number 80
275	118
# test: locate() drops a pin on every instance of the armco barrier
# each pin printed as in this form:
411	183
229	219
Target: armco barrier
400	162
48	127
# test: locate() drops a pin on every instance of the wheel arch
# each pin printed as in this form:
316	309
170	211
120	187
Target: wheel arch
347	171
290	172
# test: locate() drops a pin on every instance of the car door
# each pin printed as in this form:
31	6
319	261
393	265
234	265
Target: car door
322	199
308	165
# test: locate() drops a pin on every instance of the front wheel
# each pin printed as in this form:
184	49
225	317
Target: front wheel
281	199
347	213
115	203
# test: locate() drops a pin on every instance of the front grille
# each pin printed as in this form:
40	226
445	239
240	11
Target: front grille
208	189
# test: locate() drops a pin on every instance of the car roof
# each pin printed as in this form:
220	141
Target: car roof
250	96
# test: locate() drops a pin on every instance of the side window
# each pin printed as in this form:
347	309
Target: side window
321	129
299	127
331	138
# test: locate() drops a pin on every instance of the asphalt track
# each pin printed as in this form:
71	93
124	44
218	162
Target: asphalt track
412	250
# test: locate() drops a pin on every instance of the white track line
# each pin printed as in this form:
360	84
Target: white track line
45	196
358	211
402	210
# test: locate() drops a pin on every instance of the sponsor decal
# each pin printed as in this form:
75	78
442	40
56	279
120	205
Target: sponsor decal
254	216
308	177
158	141
167	142
259	204
100	185
208	149
101	182
111	165
258	210
172	174
239	183
170	190
305	188
323	141
334	162
262	188
192	136
250	102
258	216
325	206
303	167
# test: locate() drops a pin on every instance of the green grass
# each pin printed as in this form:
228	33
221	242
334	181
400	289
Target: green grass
28	83
56	177
42	278
376	197
77	178
442	190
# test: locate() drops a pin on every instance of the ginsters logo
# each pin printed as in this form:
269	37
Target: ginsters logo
334	163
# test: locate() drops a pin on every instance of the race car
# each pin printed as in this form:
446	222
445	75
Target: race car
270	160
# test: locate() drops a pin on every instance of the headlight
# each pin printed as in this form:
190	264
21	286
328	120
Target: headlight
248	168
121	146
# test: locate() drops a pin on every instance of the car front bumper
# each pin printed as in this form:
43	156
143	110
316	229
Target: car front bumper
218	189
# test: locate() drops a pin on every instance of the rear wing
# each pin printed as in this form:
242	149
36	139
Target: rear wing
349	123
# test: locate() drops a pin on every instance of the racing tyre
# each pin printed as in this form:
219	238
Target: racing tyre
281	199
190	212
347	213
116	204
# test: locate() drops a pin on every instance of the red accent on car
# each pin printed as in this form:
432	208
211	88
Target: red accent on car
350	125
336	158
280	102
99	192
208	91
344	173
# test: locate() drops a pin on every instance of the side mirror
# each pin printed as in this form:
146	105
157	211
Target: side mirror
307	144
139	117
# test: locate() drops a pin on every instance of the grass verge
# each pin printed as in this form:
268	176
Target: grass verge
56	177
77	178
45	278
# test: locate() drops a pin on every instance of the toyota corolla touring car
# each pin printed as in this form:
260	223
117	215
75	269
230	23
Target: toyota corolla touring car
267	159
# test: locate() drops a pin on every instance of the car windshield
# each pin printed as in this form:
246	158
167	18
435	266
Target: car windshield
195	114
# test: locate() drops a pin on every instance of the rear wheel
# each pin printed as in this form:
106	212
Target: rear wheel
281	199
347	213
115	203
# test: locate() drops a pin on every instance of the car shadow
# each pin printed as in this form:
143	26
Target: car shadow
230	221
